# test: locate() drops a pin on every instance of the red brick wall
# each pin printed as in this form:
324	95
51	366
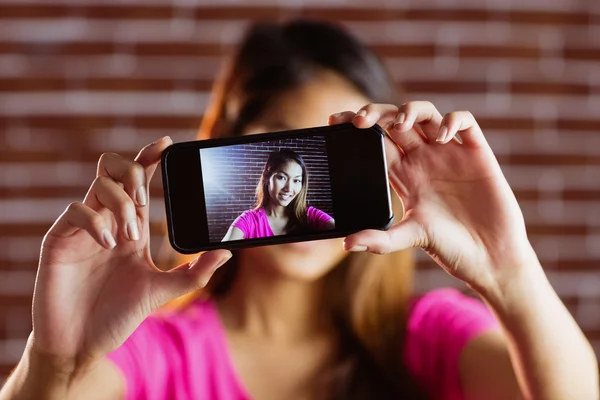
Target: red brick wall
236	170
78	78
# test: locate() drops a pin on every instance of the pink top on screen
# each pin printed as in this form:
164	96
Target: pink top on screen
254	223
183	354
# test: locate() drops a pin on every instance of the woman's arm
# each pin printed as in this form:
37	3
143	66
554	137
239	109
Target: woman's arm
460	209
319	219
485	369
542	350
45	378
233	233
550	355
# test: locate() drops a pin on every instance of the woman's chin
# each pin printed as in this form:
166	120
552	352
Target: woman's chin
311	245
301	260
301	246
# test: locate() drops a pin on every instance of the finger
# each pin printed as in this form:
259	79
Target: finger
79	216
421	116
465	123
106	193
149	156
341	118
402	235
393	119
189	276
128	172
371	114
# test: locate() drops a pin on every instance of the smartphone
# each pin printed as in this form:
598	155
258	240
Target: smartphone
276	187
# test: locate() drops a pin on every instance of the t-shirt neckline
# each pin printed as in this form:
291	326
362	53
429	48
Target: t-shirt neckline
264	215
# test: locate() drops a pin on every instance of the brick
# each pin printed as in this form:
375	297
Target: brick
266	9
116	65
26	210
158	84
27	249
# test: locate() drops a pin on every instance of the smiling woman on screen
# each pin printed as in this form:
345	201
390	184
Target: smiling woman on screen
280	202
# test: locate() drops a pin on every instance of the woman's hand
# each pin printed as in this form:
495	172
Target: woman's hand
96	281
458	206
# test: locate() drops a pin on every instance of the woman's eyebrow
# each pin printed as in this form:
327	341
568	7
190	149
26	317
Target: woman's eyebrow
295	176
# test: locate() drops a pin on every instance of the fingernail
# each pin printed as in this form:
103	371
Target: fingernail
194	262
223	261
109	240
140	196
442	135
358	248
161	139
336	115
362	113
132	231
401	118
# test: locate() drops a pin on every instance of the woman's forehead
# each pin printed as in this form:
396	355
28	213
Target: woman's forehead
309	105
290	167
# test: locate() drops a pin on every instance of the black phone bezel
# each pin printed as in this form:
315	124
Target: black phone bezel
196	192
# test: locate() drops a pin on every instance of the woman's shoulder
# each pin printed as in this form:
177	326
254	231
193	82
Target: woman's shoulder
168	333
178	350
315	213
446	306
198	314
173	326
440	323
251	214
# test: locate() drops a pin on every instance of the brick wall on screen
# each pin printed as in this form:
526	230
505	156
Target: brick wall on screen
78	78
236	171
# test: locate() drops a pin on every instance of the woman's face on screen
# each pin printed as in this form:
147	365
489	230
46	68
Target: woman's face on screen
309	105
285	183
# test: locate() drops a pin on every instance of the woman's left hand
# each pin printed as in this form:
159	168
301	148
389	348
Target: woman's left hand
457	204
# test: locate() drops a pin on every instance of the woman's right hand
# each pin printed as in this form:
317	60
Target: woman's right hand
96	281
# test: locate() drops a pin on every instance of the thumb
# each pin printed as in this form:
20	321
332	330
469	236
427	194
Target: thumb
405	234
189	276
150	155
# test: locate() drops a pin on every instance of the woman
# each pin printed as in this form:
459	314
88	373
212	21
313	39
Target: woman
280	202
307	320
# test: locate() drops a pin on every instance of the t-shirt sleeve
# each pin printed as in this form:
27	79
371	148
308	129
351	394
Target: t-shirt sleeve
317	218
144	361
440	324
243	223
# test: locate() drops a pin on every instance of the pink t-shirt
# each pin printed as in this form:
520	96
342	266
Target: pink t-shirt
183	354
254	223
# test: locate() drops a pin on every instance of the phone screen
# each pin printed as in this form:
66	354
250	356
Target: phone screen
265	189
276	187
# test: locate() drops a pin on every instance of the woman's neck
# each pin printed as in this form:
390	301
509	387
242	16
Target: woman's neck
262	302
277	211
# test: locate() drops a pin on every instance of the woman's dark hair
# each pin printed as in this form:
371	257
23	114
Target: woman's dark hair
274	58
367	294
297	208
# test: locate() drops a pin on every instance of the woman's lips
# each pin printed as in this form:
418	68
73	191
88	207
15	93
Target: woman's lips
285	197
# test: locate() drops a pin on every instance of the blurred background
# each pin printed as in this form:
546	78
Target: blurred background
78	78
